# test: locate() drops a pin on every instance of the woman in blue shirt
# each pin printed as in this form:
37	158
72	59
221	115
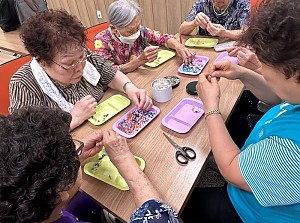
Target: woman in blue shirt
224	18
264	176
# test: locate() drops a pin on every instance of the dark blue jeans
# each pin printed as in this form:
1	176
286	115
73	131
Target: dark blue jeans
210	205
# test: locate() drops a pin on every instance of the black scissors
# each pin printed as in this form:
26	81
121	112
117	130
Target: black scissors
183	154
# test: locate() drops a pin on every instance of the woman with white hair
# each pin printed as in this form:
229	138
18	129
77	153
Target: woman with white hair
127	44
224	18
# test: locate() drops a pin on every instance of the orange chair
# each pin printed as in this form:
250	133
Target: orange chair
6	71
92	32
254	5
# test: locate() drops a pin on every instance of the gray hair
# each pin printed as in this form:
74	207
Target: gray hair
122	12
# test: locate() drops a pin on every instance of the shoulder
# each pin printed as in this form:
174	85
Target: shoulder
154	209
24	76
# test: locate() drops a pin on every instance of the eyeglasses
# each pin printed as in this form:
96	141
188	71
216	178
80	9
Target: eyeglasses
74	65
78	146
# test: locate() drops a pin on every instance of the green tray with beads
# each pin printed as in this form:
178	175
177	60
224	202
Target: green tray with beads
101	168
109	108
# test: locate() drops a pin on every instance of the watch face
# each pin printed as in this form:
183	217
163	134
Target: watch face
191	88
174	80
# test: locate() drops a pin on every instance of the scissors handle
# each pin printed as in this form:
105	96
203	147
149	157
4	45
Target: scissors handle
184	154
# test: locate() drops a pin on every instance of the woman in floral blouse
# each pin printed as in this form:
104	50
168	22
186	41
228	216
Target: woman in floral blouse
127	45
224	18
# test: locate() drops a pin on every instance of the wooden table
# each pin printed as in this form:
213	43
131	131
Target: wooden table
173	181
4	57
10	41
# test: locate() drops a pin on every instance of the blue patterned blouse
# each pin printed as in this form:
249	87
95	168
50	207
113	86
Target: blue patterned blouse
236	16
152	211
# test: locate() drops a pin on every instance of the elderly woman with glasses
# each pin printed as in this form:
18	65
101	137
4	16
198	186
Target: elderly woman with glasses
40	169
224	18
127	44
63	72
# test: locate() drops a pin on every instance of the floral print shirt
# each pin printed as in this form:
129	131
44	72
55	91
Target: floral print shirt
235	18
152	211
115	52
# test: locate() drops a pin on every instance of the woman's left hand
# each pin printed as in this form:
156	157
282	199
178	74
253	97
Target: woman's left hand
91	145
185	54
140	97
215	29
208	90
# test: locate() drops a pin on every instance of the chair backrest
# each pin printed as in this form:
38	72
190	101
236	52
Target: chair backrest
254	4
92	32
6	71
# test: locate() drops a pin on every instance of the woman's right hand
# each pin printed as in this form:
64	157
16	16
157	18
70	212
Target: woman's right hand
149	54
201	20
83	109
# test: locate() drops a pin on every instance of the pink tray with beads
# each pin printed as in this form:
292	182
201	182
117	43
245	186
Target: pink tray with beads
134	121
197	66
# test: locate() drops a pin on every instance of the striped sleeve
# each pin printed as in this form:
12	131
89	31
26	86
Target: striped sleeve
271	168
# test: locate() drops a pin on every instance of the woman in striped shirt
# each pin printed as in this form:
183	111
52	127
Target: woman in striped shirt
63	72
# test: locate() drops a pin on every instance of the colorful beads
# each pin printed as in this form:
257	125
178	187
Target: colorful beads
135	121
192	68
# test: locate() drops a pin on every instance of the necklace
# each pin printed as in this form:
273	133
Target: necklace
221	13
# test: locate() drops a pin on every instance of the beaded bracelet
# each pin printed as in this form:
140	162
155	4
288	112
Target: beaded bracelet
125	84
211	112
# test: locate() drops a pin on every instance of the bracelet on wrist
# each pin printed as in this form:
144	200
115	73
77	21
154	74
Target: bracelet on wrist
125	84
211	112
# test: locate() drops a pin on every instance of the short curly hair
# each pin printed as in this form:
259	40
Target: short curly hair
37	161
274	36
50	32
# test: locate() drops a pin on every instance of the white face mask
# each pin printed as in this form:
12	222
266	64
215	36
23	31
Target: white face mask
130	39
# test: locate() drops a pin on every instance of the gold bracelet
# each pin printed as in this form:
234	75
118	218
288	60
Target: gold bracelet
211	112
125	84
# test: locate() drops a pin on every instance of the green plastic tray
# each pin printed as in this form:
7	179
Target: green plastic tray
109	108
162	56
201	42
107	172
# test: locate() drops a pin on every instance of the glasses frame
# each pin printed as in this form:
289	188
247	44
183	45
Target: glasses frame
74	65
80	148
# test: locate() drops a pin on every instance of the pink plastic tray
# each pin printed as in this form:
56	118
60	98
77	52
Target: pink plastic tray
224	56
184	115
128	127
199	63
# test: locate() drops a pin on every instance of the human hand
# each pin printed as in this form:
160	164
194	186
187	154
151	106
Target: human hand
226	69
83	109
92	145
140	97
215	29
116	146
248	59
208	91
186	54
149	54
201	20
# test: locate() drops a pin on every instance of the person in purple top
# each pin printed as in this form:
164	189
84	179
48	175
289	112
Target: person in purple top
40	167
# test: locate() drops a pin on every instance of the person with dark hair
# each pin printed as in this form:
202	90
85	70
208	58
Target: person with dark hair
127	45
40	169
264	175
64	72
224	18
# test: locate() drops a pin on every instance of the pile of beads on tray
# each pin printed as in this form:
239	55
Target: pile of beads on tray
192	68
135	121
98	163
